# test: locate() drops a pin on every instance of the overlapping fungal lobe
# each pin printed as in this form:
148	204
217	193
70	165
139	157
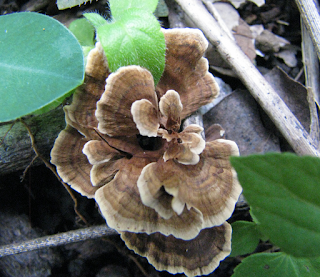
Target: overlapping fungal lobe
146	117
184	147
81	113
171	107
196	257
168	192
125	86
72	165
210	186
186	70
120	203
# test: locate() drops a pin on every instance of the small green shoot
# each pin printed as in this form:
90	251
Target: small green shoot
132	37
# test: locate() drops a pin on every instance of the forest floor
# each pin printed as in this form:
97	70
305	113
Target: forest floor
38	204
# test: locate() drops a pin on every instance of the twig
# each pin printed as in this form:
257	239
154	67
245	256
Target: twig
260	89
309	12
49	166
311	70
314	126
310	63
58	239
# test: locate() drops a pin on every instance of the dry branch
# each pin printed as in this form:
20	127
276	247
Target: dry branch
260	89
309	12
56	240
16	151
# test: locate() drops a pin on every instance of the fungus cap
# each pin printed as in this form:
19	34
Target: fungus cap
199	256
210	186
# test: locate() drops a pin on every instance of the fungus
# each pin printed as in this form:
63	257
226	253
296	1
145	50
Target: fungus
209	186
168	192
199	256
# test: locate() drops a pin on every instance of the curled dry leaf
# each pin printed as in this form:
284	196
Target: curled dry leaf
123	146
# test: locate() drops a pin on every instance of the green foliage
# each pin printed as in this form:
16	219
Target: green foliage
245	238
95	19
117	7
283	192
83	31
65	4
133	37
277	265
85	34
40	62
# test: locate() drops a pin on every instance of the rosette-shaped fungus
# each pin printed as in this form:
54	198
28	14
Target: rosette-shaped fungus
165	190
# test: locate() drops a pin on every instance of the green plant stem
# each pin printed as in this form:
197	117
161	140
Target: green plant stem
56	240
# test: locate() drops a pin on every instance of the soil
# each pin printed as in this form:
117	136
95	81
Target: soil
37	204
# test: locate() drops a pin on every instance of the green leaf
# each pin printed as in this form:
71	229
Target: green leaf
245	238
283	191
66	4
40	61
118	7
135	40
83	30
95	19
161	10
277	265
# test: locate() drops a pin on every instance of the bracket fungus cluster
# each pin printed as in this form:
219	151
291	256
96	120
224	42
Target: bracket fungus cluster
167	191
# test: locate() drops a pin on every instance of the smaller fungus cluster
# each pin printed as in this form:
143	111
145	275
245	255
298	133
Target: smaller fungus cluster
167	191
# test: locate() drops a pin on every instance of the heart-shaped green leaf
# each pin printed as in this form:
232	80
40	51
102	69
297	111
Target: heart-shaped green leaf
40	62
134	40
277	265
245	238
284	193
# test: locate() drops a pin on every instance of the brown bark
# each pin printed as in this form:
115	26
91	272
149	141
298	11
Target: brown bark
16	152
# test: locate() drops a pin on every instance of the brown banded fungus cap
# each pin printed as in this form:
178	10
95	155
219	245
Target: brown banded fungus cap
160	187
199	256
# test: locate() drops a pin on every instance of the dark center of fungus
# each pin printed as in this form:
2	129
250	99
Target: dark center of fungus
150	143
